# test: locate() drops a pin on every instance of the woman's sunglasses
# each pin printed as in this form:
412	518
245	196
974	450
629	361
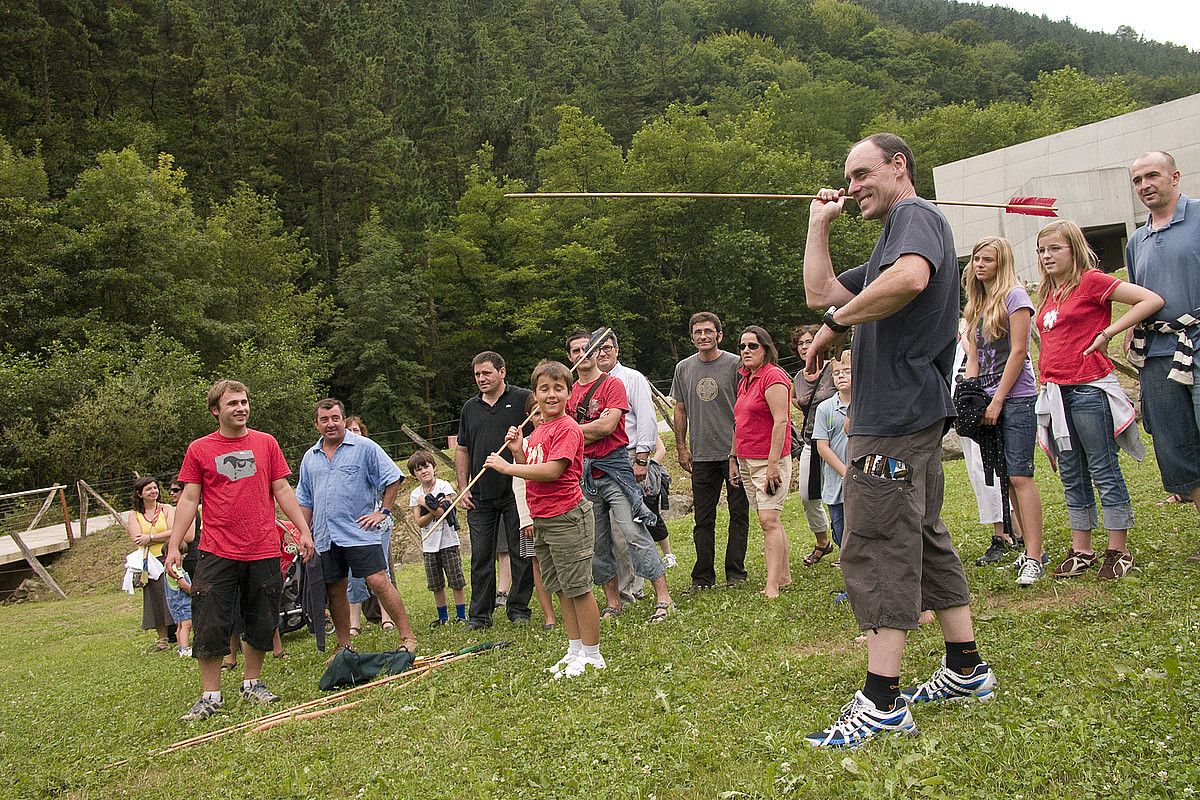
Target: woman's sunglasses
748	345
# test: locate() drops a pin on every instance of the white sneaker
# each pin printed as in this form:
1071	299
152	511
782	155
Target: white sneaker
669	560
562	664
861	720
185	652
580	665
1030	571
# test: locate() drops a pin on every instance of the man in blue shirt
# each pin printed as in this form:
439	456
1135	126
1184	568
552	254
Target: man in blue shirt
340	478
1164	256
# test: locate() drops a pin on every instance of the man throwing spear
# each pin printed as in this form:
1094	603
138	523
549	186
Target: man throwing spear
897	558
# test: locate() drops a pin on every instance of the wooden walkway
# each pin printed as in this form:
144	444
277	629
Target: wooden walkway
50	539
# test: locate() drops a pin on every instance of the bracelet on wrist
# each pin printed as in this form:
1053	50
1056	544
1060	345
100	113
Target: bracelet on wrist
1107	338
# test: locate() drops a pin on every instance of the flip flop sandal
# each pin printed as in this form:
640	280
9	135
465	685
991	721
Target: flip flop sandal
228	665
388	626
355	631
817	554
609	612
661	612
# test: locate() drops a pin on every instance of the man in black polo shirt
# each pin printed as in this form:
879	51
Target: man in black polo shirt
482	426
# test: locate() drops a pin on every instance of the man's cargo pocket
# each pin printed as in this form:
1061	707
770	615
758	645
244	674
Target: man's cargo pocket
876	506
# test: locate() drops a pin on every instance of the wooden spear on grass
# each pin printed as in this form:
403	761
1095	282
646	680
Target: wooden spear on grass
1030	206
598	338
409	677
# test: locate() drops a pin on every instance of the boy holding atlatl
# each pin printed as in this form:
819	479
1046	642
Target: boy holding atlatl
563	529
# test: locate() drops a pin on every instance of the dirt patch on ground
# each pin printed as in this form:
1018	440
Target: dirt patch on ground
1069	595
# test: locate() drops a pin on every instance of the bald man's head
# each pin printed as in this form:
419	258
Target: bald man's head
1156	181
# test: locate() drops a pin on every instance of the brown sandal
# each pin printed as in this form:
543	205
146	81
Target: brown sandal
817	554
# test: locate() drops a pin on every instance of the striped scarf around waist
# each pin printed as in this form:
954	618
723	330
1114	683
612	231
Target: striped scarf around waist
1181	361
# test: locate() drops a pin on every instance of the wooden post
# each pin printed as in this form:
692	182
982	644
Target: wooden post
42	511
66	512
30	558
424	445
83	509
112	512
665	406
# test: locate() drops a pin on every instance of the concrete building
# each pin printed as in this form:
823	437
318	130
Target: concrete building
1086	169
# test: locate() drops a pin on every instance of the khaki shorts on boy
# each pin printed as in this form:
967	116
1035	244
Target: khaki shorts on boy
563	545
754	480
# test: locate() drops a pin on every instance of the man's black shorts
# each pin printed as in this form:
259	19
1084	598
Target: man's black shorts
359	561
216	589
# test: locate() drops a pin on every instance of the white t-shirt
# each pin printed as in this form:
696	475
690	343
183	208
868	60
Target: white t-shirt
445	536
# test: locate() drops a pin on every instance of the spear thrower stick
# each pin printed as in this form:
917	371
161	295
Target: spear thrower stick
1031	206
598	338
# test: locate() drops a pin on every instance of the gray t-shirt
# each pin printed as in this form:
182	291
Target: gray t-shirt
708	391
902	364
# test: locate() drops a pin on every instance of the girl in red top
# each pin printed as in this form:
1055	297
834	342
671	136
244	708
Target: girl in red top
762	439
1074	323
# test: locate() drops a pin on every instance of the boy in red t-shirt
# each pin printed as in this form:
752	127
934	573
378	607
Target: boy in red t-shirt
563	527
239	474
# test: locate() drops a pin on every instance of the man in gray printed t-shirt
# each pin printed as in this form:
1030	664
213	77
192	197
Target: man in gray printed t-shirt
704	389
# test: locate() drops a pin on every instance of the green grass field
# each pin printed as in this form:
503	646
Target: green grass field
1097	694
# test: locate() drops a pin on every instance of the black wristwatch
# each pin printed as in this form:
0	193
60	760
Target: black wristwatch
387	512
836	327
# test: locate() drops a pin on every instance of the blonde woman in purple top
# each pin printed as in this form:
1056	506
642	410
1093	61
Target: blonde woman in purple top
999	316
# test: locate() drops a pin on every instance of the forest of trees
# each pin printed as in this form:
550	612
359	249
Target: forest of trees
308	196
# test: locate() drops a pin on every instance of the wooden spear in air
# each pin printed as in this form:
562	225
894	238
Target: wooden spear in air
1030	206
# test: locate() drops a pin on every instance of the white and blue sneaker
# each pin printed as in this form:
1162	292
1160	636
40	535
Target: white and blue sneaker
946	684
1030	572
860	720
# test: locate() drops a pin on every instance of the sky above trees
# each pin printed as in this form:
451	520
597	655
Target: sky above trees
1176	21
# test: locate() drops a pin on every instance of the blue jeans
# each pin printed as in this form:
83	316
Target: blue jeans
1167	407
356	588
610	498
837	522
616	467
1092	459
1018	423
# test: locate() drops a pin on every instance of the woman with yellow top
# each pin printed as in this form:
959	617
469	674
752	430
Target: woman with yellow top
149	526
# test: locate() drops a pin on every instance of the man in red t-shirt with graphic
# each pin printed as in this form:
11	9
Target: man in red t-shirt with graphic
238	474
598	403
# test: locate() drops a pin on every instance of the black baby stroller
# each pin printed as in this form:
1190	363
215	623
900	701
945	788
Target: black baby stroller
291	609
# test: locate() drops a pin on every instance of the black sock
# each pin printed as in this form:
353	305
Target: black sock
882	690
962	657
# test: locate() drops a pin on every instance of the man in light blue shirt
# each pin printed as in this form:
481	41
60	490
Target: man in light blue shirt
1164	256
340	478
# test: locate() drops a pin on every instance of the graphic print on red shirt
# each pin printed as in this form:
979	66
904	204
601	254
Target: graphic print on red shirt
235	477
